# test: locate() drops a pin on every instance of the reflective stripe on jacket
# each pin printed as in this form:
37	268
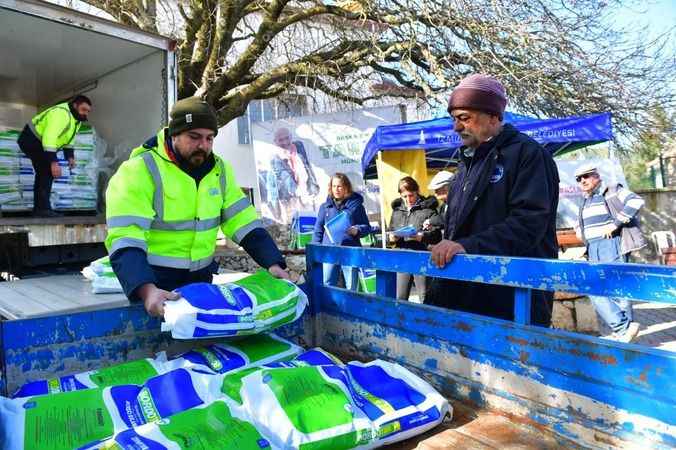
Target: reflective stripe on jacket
55	127
153	205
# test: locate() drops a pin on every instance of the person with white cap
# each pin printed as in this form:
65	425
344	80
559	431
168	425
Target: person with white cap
439	184
503	201
608	225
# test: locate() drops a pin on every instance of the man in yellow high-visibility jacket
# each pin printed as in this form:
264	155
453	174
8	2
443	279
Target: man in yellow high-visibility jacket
164	207
51	130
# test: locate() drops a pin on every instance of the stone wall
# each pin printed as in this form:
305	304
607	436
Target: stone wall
575	314
658	214
233	258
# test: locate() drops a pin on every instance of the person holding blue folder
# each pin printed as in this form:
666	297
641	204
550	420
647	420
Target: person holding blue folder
409	213
341	220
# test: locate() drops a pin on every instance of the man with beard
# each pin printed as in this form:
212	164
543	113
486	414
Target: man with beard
165	205
51	130
503	201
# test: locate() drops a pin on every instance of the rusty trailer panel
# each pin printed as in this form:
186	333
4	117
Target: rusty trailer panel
47	347
578	390
590	392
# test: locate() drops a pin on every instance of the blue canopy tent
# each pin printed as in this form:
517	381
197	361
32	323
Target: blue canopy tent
440	142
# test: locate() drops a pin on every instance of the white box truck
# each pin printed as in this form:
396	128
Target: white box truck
49	53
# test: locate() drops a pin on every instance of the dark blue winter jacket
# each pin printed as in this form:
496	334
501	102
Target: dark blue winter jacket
354	206
502	201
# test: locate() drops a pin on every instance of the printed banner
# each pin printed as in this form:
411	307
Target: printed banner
296	157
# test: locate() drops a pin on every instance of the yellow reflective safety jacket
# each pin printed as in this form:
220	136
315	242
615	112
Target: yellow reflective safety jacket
55	127
153	205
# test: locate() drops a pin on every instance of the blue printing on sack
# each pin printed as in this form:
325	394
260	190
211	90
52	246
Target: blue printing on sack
229	360
315	358
41	387
413	420
200	332
171	393
224	319
394	391
130	440
208	296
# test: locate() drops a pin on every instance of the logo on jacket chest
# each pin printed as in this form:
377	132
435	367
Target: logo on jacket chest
214	191
497	174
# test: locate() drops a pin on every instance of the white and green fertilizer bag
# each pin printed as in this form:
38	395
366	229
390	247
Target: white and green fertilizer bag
208	427
216	358
130	372
340	407
70	420
251	351
103	278
232	382
254	304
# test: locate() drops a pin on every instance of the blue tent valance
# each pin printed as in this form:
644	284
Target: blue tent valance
440	142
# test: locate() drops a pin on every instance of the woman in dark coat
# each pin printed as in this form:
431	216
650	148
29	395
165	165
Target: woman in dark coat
342	198
413	209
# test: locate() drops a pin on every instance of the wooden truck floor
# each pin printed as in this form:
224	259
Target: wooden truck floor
63	294
473	429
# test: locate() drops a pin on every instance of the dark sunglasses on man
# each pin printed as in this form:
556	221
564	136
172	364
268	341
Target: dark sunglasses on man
583	177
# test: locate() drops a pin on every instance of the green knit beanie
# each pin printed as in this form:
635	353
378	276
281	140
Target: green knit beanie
191	113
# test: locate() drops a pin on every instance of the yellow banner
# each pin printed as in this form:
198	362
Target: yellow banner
393	166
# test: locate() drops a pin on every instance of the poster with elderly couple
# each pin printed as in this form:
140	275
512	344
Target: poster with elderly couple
570	194
296	157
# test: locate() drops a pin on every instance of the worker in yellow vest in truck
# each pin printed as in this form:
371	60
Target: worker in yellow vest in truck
52	130
165	205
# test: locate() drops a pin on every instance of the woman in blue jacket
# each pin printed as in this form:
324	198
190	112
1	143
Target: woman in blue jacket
341	198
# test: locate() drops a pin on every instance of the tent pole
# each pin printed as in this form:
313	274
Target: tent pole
382	207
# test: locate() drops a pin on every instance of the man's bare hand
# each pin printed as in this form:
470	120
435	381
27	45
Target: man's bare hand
154	298
608	230
277	272
71	163
444	251
353	231
56	169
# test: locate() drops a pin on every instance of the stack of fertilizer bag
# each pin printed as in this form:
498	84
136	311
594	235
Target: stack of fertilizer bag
252	305
71	411
102	276
75	190
10	191
302	229
258	393
253	392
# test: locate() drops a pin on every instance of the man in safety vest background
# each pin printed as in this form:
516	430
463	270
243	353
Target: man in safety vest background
51	130
165	205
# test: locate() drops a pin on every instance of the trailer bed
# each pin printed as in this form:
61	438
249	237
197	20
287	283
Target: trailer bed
473	429
52	295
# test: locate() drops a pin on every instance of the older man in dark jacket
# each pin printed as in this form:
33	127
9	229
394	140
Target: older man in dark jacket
503	201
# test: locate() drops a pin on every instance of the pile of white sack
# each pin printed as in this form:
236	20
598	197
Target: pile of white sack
256	393
104	280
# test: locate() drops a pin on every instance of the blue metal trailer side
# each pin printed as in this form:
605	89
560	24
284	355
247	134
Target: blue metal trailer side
589	392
